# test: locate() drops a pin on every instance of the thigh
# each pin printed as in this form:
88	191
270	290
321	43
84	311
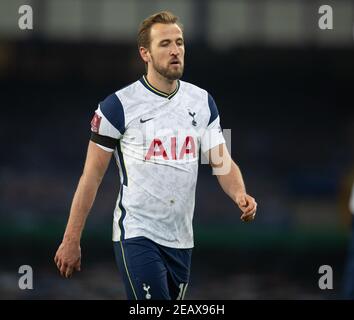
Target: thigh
349	269
178	264
143	270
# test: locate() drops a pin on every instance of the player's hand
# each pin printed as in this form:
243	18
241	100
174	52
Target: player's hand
248	206
68	258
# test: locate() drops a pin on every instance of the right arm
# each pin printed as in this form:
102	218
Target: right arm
68	255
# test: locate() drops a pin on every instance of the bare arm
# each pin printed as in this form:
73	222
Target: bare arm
68	256
230	178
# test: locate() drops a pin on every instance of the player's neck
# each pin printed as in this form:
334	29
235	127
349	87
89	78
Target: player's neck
161	83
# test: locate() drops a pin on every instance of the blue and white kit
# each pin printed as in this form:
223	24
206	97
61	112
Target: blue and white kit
156	139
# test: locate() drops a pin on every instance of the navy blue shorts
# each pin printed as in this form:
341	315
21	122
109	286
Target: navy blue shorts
152	271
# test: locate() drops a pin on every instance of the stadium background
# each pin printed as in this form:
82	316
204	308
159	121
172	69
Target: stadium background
281	84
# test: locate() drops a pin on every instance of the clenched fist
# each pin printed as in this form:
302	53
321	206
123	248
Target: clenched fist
68	258
248	206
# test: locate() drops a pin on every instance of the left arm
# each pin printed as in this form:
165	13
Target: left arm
230	178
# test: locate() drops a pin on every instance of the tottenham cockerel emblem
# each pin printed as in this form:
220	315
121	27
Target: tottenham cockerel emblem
146	288
192	114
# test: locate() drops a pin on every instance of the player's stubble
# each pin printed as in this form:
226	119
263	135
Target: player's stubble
171	72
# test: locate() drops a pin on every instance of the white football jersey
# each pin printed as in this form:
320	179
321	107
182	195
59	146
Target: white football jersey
156	138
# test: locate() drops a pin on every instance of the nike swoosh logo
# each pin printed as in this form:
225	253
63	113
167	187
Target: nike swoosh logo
142	121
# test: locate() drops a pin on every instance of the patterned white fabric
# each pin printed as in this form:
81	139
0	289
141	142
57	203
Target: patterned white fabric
158	142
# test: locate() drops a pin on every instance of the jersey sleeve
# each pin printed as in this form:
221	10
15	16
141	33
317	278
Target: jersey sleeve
108	123
213	134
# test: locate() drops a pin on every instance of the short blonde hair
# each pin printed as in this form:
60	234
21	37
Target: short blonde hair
165	17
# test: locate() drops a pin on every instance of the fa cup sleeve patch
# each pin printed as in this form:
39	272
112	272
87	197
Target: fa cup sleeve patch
95	123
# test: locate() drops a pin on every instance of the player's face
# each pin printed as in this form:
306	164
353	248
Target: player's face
167	50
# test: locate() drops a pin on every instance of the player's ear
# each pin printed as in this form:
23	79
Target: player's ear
144	54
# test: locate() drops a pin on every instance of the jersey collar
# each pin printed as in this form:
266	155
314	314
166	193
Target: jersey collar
150	87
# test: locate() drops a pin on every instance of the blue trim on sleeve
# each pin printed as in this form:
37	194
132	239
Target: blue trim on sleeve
113	110
213	109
